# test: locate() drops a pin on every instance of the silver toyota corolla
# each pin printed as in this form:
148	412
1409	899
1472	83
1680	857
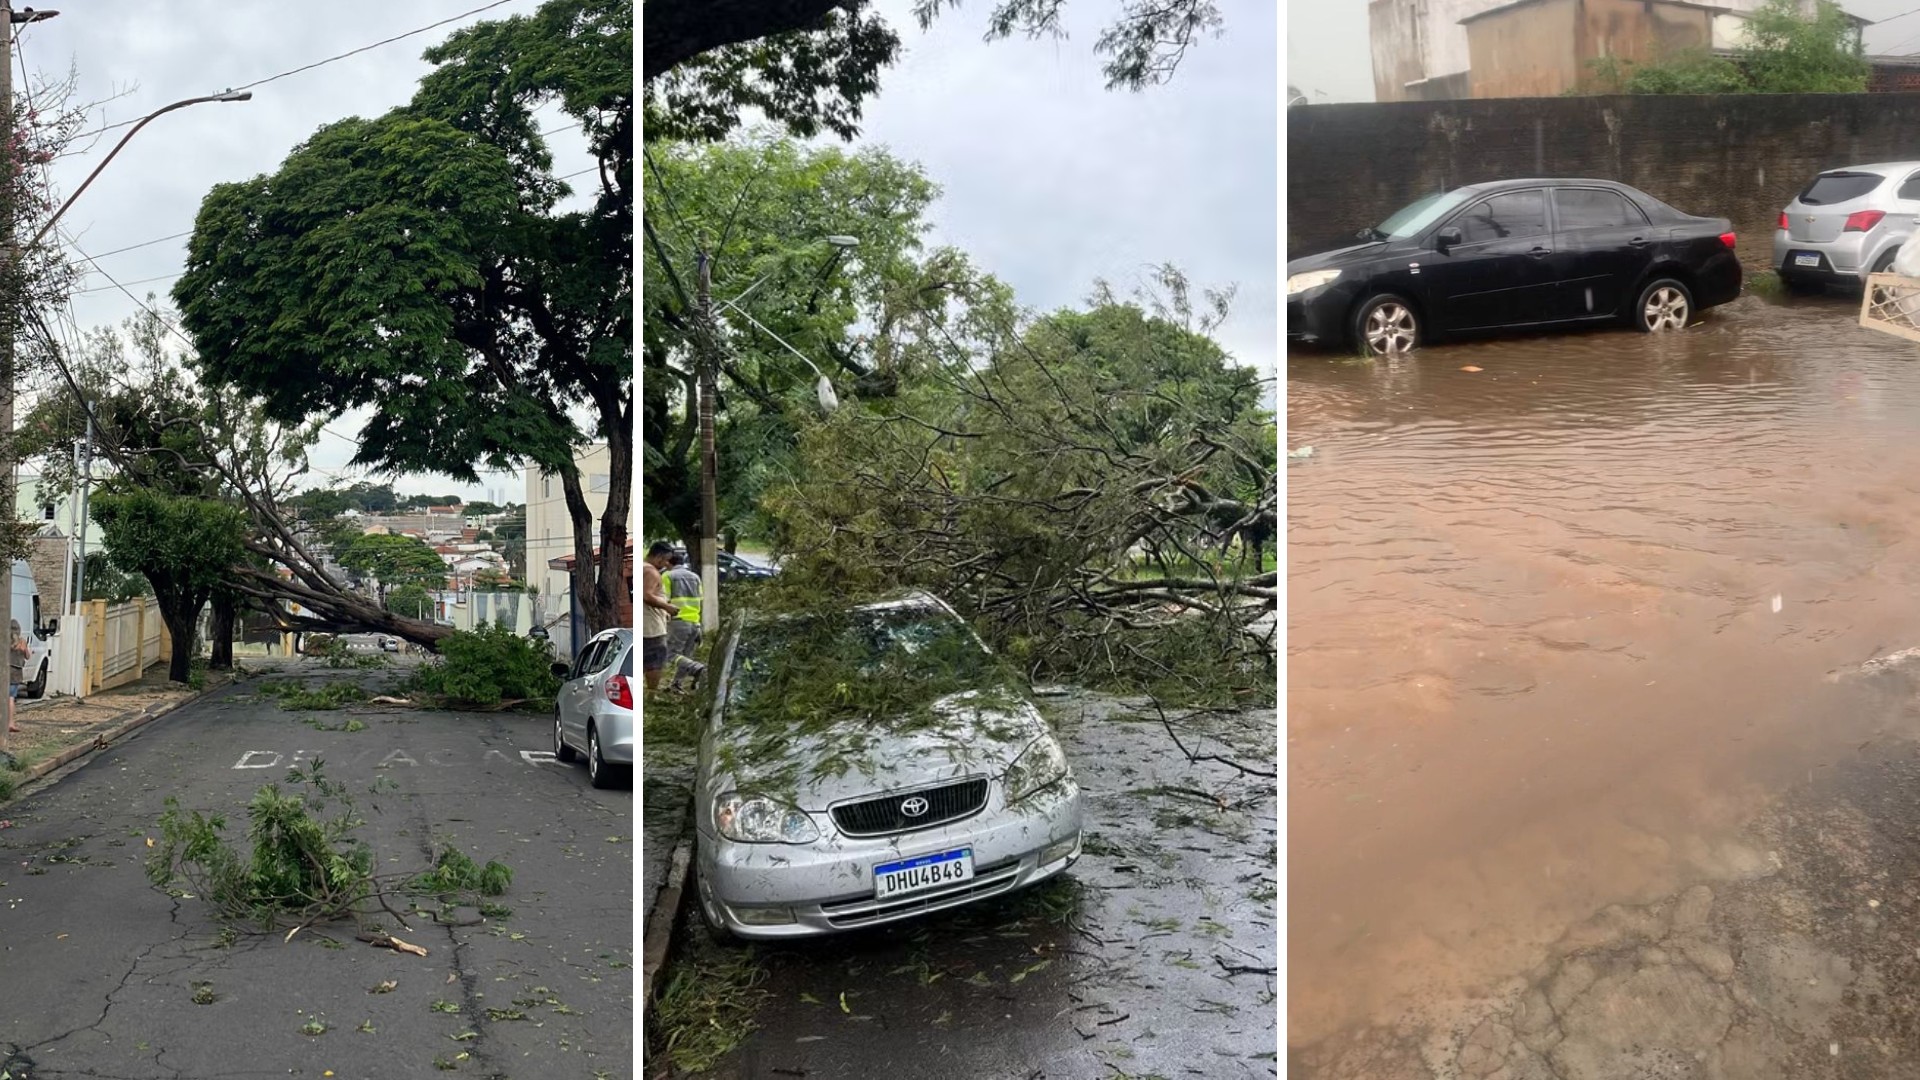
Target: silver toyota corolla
871	765
1846	224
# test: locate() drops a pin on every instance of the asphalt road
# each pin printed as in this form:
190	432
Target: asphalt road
1153	956
103	976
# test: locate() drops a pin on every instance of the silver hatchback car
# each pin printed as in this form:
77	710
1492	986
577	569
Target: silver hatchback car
870	765
593	713
1846	224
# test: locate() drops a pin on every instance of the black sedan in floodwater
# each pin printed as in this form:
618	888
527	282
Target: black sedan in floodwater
1514	254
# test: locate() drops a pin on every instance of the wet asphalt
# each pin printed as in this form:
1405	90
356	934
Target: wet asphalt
103	976
1153	956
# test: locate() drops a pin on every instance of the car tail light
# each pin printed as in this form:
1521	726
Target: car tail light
1862	220
620	691
1728	238
1783	220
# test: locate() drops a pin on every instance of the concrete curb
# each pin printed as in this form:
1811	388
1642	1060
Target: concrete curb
656	937
134	721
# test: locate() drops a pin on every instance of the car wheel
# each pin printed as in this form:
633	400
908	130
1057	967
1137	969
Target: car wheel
1386	326
564	754
1665	304
36	689
599	773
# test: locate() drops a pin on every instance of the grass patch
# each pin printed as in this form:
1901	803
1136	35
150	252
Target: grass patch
1766	285
706	1009
6	788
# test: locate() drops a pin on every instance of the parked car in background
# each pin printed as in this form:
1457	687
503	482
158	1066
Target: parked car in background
1514	254
593	713
869	765
734	568
1847	223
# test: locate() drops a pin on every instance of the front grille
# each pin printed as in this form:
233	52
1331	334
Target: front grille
882	816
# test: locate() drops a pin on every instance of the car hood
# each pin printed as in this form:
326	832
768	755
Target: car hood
965	734
1339	258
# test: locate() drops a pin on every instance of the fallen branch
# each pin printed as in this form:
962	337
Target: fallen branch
1194	758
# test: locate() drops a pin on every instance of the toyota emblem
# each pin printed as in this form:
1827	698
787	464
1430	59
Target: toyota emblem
913	806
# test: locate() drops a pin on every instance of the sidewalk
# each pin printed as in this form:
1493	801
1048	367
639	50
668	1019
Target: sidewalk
666	792
54	727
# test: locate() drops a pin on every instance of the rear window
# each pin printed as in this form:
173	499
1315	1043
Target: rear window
1839	187
626	663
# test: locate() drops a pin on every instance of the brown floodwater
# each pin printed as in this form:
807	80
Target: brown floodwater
1558	627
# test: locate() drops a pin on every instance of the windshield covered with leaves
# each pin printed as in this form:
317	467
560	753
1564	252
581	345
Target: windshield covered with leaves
885	665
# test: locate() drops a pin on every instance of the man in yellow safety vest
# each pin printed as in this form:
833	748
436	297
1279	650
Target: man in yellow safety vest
683	634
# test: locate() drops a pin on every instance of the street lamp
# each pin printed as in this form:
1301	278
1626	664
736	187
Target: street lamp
829	401
707	391
244	95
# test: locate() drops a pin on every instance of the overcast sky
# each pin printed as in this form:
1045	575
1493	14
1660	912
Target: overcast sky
1050	181
1328	57
142	55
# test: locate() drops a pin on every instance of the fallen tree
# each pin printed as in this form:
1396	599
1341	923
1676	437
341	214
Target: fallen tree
1097	493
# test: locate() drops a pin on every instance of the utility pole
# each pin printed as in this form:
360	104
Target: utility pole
709	471
13	296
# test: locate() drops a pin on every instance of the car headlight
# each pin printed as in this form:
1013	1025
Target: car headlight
1038	766
1312	279
756	819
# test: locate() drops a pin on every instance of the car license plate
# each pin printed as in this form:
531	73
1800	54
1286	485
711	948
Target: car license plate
922	872
1806	260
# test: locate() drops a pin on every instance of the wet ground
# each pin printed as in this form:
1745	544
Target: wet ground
105	976
1571	633
1152	957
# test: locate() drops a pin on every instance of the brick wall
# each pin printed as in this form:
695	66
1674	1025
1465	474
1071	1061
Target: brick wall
1742	157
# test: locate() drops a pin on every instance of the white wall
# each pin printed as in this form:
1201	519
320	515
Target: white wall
550	529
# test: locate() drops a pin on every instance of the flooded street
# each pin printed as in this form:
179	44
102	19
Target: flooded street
1562	630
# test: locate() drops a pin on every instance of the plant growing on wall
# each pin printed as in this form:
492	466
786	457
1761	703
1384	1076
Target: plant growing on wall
1786	52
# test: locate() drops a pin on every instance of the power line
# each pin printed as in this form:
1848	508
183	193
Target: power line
328	60
145	243
110	288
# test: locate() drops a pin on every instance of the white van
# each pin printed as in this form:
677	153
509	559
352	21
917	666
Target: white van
40	635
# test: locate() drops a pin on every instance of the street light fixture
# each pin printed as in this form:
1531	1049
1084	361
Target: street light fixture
709	360
244	95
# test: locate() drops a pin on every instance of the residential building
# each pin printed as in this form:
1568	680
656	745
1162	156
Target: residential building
550	536
1437	50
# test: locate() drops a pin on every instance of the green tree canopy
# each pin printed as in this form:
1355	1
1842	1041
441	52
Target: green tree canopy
394	560
426	263
810	65
185	547
764	207
413	601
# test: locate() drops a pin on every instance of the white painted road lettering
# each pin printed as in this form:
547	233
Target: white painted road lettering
441	758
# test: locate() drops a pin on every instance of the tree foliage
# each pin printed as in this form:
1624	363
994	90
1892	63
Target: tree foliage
1787	51
810	65
424	263
394	561
1097	493
184	546
763	207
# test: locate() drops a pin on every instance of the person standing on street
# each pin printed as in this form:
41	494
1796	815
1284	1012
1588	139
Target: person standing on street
683	634
16	672
657	612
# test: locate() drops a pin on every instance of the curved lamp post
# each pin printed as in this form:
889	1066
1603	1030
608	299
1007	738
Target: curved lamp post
244	95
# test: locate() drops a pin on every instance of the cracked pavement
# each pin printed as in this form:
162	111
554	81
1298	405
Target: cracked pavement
1152	956
107	977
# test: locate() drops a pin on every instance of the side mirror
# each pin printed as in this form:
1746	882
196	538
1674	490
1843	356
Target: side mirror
52	628
1445	239
560	671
